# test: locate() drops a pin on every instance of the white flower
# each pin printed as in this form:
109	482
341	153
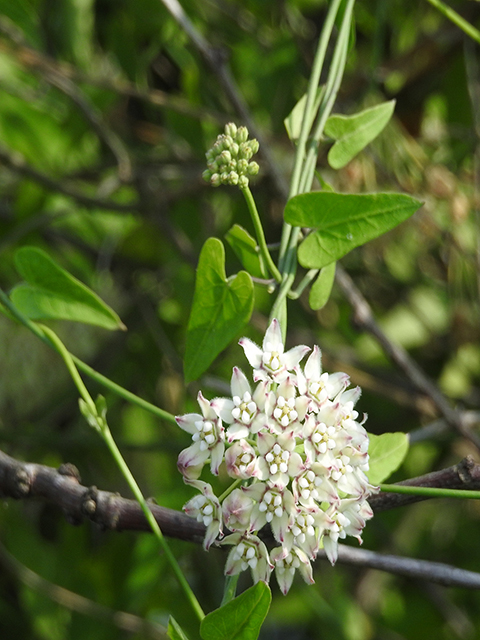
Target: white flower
319	386
244	412
270	362
278	462
287	563
237	511
241	461
206	509
248	552
285	410
208	440
275	506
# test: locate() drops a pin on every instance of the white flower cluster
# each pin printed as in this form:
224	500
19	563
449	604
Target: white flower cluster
298	456
228	160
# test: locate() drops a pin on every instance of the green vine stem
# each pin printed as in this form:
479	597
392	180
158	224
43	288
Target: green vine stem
257	224
430	492
86	369
103	429
457	19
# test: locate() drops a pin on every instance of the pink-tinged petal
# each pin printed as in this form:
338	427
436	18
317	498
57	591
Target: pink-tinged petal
223	408
237	431
255	491
352	395
273	337
213	532
301	405
295	465
292	357
258	423
239	383
253	353
260	394
188	422
313	366
265	442
280	526
216	457
205	406
331	548
191	459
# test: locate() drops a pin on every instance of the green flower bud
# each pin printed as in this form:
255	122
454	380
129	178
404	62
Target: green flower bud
234	149
254	145
242	134
253	168
231	129
245	151
225	157
207	175
243	182
233	178
242	166
215	180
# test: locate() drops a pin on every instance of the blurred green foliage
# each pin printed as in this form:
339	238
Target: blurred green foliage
137	242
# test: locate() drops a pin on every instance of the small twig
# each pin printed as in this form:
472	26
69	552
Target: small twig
364	319
127	622
15	162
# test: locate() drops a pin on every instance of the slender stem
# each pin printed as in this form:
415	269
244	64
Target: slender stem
228	491
430	492
307	278
308	117
85	368
230	588
456	19
112	445
252	207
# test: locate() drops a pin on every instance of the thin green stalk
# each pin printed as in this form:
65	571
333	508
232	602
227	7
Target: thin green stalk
308	116
107	436
257	224
228	491
457	19
430	492
230	588
306	280
85	368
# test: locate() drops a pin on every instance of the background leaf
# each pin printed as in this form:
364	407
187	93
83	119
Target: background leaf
174	631
245	248
387	453
52	293
353	133
241	618
220	309
344	221
293	122
322	287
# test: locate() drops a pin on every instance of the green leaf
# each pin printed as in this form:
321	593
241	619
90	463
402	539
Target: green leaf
387	453
239	619
322	287
293	122
353	133
245	248
344	221
52	293
174	631
220	309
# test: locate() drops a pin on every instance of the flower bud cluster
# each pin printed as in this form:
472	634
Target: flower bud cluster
228	160
298	456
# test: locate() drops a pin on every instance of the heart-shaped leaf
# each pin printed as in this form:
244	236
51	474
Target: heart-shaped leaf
220	309
322	287
344	221
245	248
241	618
52	293
387	453
353	133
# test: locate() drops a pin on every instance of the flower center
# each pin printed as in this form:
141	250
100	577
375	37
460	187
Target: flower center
342	467
245	408
303	527
247	555
322	437
309	484
243	460
285	412
205	434
271	505
277	459
272	356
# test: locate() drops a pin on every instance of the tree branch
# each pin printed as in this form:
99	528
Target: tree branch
62	487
